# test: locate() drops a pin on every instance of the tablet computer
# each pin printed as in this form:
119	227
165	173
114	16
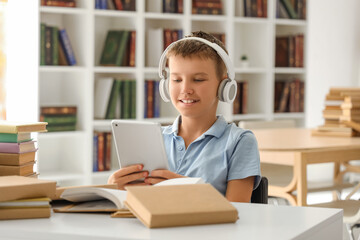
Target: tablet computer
139	142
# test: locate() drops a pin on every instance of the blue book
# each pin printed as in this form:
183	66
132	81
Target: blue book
95	152
65	43
103	4
97	4
156	99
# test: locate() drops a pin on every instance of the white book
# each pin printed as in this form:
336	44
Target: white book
102	95
154	46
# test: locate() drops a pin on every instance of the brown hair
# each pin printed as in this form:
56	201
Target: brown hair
191	48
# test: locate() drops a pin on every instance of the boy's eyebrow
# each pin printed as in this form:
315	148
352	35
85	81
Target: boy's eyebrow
199	73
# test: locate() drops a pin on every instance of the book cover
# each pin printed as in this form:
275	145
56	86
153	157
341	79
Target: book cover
108	137
114	95
133	99
62	57
110	49
103	88
118	4
42	44
157	99
66	44
284	100
54	46
179	205
68	119
15	137
282	51
21	170
21	127
48	45
95	151
19	187
289	8
16	159
132	48
101	151
61	128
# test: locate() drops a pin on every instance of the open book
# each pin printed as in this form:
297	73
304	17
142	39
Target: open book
95	199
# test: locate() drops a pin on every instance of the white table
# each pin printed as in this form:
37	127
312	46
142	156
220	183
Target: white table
256	221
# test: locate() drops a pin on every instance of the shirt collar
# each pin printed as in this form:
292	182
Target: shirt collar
216	130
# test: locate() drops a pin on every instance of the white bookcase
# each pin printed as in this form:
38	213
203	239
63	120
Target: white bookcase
67	156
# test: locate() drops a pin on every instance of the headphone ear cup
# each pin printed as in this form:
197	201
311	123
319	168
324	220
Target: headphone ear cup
227	90
164	90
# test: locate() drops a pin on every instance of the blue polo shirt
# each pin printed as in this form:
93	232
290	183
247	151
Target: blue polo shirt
224	152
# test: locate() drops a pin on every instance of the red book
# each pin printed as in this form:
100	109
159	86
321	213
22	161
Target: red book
118	4
108	138
167	38
150	99
132	49
101	151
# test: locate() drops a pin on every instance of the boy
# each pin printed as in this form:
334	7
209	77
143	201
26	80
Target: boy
199	143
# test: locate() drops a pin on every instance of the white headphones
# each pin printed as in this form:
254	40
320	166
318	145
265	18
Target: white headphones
227	88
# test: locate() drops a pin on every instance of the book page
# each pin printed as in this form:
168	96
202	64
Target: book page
180	181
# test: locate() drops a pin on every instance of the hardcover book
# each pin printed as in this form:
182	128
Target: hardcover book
22	127
15	137
22	147
16	159
21	170
66	45
19	187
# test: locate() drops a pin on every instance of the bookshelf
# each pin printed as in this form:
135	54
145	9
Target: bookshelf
67	156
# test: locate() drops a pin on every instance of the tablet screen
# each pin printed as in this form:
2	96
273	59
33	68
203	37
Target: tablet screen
139	142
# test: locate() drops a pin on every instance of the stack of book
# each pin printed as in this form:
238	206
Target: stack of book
55	46
24	197
119	49
341	114
115	98
17	148
59	118
102	151
211	7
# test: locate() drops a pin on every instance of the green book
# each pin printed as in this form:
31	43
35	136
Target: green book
121	53
110	50
133	100
126	99
15	137
58	119
55	46
42	44
114	95
58	128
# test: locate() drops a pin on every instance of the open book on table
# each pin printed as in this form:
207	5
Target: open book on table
99	199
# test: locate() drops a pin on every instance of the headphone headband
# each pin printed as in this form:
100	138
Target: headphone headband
217	48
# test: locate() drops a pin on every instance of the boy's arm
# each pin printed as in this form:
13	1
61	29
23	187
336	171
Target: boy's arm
240	190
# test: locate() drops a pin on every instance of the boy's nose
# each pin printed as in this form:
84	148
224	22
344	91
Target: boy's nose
187	88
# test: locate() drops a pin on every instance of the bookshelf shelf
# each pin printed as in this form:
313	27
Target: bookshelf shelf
68	156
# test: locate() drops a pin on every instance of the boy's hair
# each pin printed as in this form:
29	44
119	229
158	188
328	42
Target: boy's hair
193	48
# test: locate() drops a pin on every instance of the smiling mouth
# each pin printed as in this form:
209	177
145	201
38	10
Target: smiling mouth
188	101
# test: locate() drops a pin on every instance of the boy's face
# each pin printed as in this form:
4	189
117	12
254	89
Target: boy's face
193	86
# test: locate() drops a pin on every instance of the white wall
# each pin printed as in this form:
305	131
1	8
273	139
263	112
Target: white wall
333	51
333	59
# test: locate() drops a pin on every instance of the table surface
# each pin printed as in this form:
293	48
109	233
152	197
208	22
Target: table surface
256	221
289	139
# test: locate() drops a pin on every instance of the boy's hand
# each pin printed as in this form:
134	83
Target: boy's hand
124	176
160	175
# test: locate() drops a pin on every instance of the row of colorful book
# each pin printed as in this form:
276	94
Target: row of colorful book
152	99
289	51
55	46
115	98
255	8
211	7
18	148
102	151
119	49
25	197
289	96
341	113
122	5
59	118
240	101
59	3
291	9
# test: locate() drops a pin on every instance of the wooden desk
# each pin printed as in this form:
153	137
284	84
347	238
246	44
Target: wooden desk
296	147
256	221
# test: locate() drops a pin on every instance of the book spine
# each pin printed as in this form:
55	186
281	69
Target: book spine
65	42
111	108
289	8
157	99
48	45
244	107
60	128
58	110
146	86
54	46
101	151
150	99
126	99
132	49
133	99
58	119
95	152
108	138
42	44
121	52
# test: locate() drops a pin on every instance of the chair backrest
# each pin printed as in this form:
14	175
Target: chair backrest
260	194
267	124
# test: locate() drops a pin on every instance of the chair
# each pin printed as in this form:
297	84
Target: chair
281	176
351	214
260	194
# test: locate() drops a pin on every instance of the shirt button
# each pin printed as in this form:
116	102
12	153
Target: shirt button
180	148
